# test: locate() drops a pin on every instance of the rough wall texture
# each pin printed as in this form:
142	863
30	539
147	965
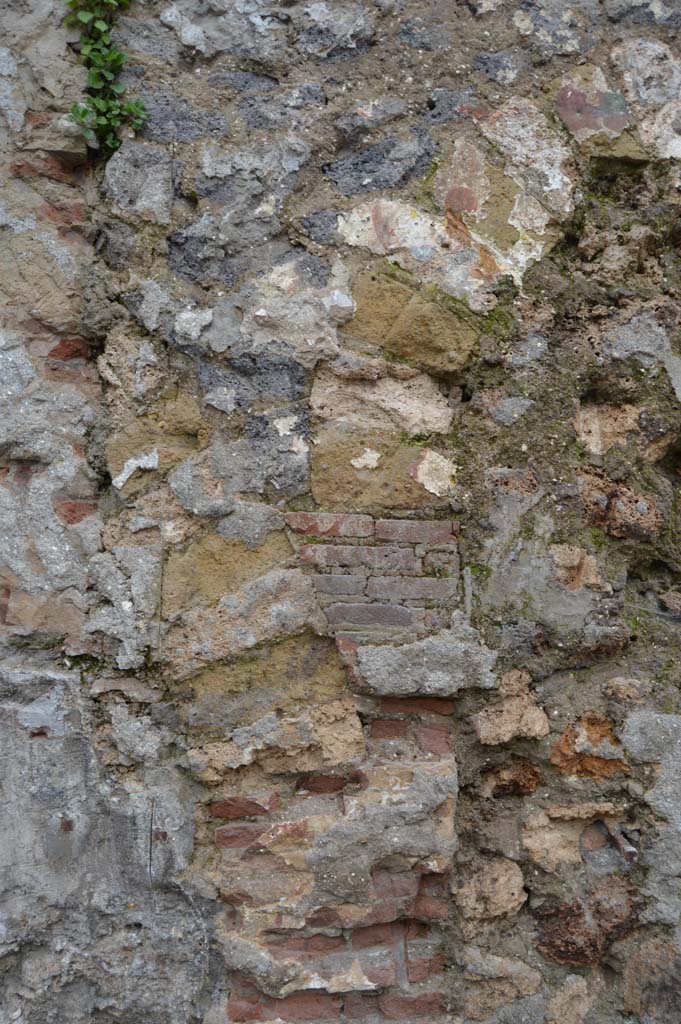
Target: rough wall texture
340	576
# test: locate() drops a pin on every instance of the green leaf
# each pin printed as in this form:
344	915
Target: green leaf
101	25
118	88
85	16
94	79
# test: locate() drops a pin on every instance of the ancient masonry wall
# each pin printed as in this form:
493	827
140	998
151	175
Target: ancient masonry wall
340	574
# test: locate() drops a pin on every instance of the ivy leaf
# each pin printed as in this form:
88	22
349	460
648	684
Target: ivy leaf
101	25
118	88
85	16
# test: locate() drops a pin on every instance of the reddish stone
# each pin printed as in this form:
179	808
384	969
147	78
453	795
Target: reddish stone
414	531
74	511
596	731
515	778
401	1007
388	729
417	705
579	933
242	807
329	524
435	739
238	837
37	166
70	348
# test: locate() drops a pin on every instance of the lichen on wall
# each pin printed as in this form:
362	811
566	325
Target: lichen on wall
340	584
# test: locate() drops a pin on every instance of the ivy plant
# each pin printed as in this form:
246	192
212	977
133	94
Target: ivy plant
105	109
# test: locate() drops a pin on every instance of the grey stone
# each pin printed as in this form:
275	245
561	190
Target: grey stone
139	180
172	117
386	164
439	665
332	29
371	115
645	340
251	523
148	37
502	66
446	105
421	34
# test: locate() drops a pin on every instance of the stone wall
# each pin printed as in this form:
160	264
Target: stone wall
340	577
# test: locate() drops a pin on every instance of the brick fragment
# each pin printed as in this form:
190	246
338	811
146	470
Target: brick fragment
425	1005
414	531
300	1006
388	729
349	616
435	739
339	586
330	524
243	807
385	558
238	837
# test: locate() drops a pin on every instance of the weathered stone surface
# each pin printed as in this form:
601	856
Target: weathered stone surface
347	383
436	666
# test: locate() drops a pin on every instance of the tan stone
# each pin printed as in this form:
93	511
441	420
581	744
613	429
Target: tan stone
551	836
589	749
281	603
369	471
515	715
575	568
173	429
213	566
415	405
570	1004
495	981
599	427
406	323
495	889
321	737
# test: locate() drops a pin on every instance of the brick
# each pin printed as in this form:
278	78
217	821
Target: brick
410	588
388	729
360	1007
377	935
414	531
284	944
330	524
421	968
339	586
384	557
403	1007
70	348
349	616
300	1006
417	705
238	837
242	807
435	739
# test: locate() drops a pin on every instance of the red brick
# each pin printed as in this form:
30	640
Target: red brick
359	1007
384	557
417	705
435	739
376	935
350	616
242	807
400	1007
388	729
74	511
414	531
300	1006
238	837
411	588
330	524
